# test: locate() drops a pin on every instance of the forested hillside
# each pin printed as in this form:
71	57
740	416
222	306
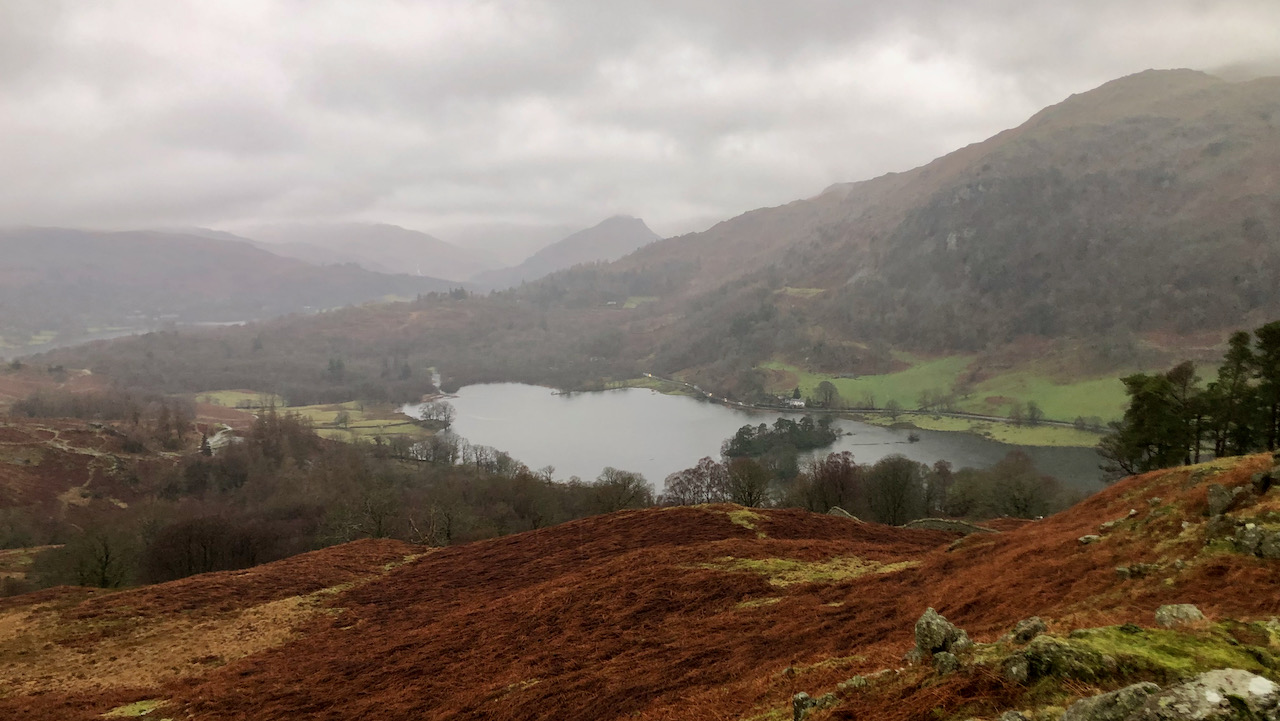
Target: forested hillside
1119	229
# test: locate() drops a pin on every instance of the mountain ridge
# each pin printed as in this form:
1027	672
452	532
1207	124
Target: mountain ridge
606	241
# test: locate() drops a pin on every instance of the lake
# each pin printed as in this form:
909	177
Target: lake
641	430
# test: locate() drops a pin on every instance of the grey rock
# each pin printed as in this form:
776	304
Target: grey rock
962	644
1027	629
1046	656
1220	499
1016	668
945	663
800	705
1270	545
914	657
934	633
1090	538
1177	614
1114	706
838	511
826	700
1249	539
1222	694
1122	573
1013	716
1262	482
1220	527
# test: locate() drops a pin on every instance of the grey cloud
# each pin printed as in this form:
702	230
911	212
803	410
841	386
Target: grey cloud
436	114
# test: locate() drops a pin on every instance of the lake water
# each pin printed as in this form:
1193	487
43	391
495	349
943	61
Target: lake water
645	431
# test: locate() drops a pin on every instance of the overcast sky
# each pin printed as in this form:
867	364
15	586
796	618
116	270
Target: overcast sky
435	114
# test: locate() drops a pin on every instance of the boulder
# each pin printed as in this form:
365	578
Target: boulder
962	644
1269	547
1046	656
1027	629
1177	614
1249	539
1220	499
838	511
1222	694
1220	527
1013	716
1016	668
945	663
1262	482
1089	538
800	705
1114	706
934	633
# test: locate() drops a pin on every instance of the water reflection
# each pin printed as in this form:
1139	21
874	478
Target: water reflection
654	434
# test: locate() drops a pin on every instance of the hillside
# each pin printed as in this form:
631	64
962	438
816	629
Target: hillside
61	281
379	247
608	241
693	612
1124	229
1149	205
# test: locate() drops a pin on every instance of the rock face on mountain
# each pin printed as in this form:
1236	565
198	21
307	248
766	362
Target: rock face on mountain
608	241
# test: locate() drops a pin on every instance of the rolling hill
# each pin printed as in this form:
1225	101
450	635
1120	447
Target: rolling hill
1123	228
378	247
607	241
68	281
689	612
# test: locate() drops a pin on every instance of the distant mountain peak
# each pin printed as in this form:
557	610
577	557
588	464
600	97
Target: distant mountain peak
606	241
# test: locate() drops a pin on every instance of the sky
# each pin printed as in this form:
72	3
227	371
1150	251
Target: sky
440	115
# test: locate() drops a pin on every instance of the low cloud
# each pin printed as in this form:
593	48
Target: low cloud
436	114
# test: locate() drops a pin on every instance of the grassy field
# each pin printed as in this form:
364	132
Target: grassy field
240	399
363	422
657	384
1091	397
1019	435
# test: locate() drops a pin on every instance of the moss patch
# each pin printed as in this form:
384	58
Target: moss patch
747	519
783	572
135	709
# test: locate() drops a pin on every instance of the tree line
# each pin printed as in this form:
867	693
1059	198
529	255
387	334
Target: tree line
892	490
1173	420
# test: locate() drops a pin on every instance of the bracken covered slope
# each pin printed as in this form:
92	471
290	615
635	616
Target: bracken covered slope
704	612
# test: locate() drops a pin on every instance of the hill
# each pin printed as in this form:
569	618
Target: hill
692	612
608	241
379	247
510	243
61	281
1123	229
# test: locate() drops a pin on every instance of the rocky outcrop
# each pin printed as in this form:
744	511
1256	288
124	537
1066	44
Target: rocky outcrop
1177	614
1050	657
1027	629
1223	694
1114	706
841	513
